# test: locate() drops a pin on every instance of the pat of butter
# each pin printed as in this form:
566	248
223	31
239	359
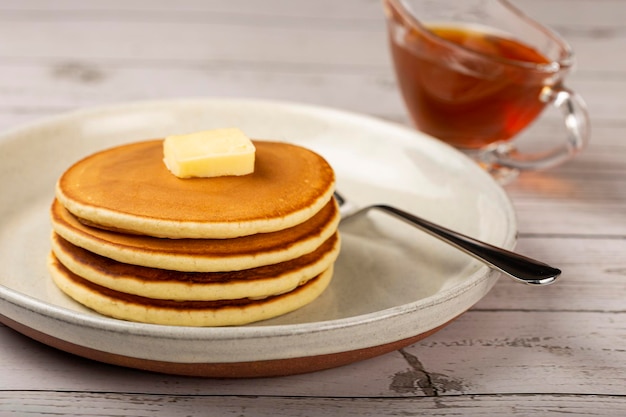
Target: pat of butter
211	153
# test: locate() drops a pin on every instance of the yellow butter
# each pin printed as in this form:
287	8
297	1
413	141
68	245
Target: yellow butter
211	153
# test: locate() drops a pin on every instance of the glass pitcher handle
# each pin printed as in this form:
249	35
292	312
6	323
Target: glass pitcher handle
574	111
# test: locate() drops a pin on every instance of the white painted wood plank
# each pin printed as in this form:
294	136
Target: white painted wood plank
584	219
258	37
71	404
568	201
326	9
70	85
576	13
523	352
191	42
593	279
603	13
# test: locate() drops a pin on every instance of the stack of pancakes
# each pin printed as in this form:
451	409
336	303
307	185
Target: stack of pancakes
135	242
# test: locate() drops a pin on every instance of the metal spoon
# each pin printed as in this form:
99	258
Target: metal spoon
516	266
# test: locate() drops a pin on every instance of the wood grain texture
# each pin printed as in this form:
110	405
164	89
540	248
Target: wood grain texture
521	351
112	404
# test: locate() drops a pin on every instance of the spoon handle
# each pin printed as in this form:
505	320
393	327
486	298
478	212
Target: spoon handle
516	266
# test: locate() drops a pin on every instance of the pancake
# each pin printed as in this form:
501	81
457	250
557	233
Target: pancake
129	189
195	286
200	255
183	313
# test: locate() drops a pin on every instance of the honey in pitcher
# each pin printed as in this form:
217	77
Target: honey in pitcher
469	87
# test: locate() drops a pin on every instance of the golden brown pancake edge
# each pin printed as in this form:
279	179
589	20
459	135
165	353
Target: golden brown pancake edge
208	313
129	188
200	255
187	286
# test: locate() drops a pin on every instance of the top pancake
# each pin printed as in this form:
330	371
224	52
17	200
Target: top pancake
129	189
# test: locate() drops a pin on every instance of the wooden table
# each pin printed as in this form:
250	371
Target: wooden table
520	351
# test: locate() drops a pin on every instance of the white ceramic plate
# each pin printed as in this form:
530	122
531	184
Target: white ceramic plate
393	285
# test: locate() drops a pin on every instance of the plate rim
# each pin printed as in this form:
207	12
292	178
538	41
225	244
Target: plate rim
100	323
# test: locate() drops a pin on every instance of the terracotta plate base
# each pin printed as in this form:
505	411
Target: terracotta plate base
256	369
